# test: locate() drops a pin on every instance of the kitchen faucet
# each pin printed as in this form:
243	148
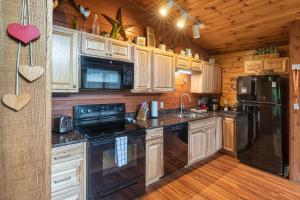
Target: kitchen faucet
181	102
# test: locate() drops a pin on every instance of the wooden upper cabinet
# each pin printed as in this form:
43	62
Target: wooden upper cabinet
163	71
277	65
217	80
120	50
208	73
142	69
229	134
64	60
183	62
196	65
94	45
274	65
104	47
253	66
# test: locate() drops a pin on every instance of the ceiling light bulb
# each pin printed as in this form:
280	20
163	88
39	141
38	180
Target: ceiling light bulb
181	21
163	11
196	31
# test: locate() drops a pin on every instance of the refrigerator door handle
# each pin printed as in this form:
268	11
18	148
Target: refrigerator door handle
258	120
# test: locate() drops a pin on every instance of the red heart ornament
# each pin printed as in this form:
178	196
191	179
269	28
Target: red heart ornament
23	33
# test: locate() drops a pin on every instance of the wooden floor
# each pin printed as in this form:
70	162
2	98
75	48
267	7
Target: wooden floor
222	177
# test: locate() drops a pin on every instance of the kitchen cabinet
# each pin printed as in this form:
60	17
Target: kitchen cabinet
163	71
183	62
98	46
202	139
274	65
229	135
68	172
154	155
142	69
219	133
65	60
208	80
196	65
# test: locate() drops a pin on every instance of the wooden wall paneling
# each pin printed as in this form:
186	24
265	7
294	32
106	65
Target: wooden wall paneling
294	48
64	104
25	142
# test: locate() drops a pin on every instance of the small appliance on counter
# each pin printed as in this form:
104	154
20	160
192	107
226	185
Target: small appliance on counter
143	112
214	103
154	109
62	123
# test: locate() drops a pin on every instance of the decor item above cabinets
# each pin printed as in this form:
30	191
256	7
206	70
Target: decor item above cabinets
99	46
208	80
64	60
163	71
275	65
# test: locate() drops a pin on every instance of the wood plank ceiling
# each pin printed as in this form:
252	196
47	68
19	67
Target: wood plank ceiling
233	25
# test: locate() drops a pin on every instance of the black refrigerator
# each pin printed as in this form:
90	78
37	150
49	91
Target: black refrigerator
262	122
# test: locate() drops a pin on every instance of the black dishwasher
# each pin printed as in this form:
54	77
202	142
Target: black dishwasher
175	147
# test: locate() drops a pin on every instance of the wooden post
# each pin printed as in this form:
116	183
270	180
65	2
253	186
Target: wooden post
25	136
294	51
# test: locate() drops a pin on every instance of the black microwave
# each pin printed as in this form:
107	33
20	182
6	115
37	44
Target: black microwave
106	74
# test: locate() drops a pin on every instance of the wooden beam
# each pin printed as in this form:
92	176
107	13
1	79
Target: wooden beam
294	50
25	136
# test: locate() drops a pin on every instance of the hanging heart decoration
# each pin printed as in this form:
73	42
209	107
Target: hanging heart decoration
23	33
16	102
31	73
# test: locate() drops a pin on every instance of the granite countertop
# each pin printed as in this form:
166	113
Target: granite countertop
75	136
71	137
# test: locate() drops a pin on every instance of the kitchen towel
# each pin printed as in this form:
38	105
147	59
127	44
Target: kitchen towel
121	151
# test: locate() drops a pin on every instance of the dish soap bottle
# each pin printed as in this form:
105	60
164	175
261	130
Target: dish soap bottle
96	28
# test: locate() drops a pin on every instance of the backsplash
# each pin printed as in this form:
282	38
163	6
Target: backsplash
63	104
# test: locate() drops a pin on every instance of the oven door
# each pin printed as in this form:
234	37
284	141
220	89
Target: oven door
115	163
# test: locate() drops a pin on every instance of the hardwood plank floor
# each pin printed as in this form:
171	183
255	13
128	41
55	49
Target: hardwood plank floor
222	177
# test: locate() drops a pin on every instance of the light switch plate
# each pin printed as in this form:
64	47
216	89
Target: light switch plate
296	106
296	67
161	104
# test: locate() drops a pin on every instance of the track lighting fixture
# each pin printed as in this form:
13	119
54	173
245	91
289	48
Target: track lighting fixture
181	21
163	11
196	30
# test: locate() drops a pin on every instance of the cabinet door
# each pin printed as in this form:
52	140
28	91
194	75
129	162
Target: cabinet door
196	66
277	65
72	195
197	82
94	45
64	60
219	135
253	66
183	62
229	134
120	50
210	140
197	145
216	79
154	160
142	69
207	79
163	70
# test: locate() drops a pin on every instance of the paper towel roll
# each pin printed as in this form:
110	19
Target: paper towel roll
154	109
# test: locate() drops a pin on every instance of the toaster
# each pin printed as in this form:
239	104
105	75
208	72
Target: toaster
62	123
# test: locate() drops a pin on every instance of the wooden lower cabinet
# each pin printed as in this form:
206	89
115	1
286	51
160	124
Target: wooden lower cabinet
154	155
68	172
203	139
229	135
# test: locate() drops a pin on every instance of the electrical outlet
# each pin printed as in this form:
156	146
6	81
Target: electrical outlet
296	67
161	104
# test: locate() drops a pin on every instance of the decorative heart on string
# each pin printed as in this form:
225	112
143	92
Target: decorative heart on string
16	102
31	73
23	33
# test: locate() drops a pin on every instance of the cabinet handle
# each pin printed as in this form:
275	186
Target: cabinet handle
74	86
62	157
63	180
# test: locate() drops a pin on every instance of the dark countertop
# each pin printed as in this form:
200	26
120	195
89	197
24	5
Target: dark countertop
75	136
71	137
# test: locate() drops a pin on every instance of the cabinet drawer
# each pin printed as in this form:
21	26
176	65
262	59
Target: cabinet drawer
65	175
154	133
68	195
67	153
204	123
183	63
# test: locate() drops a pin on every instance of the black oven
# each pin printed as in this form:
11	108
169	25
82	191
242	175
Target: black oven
106	74
116	166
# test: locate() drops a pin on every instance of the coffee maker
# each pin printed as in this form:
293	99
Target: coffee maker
213	103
